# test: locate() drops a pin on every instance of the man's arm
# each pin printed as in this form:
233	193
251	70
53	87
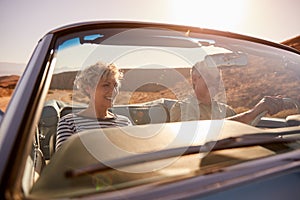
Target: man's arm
268	104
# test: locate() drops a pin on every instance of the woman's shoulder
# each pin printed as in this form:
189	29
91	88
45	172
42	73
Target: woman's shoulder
70	117
121	117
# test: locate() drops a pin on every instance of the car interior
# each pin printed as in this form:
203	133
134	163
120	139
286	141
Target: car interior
44	147
157	111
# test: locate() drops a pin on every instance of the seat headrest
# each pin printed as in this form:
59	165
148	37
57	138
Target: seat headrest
50	114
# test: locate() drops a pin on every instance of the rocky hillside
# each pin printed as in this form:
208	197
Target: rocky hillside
7	85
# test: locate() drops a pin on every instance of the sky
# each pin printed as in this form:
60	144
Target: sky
24	22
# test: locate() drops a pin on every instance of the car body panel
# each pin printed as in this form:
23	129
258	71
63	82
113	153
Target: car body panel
18	113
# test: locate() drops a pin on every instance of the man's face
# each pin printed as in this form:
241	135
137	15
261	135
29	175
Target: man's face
199	85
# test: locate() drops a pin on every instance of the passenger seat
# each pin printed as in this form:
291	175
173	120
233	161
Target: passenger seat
48	125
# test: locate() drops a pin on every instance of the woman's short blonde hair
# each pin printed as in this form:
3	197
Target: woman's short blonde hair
90	76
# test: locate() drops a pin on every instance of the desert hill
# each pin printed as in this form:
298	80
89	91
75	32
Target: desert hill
293	42
7	86
9	81
132	79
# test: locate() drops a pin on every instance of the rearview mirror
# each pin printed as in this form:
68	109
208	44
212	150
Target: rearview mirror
226	59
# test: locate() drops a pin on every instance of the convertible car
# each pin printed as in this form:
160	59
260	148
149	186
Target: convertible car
156	157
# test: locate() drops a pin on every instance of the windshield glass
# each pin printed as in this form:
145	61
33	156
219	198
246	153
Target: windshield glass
121	92
163	70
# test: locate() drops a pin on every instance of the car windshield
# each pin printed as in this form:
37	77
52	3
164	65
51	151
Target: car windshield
167	138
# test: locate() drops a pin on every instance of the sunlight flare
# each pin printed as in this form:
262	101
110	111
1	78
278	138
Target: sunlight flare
216	14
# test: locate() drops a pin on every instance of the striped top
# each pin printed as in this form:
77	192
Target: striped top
73	123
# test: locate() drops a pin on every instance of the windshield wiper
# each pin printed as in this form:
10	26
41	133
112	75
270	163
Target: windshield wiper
227	143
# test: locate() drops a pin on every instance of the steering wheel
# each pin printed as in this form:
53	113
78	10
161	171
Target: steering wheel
285	100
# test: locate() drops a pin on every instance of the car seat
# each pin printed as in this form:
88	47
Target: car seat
48	125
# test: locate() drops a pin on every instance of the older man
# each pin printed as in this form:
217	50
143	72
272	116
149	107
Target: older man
206	81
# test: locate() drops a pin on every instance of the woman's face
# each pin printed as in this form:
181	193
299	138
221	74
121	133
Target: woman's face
105	92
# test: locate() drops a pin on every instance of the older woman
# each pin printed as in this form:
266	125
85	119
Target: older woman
100	82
